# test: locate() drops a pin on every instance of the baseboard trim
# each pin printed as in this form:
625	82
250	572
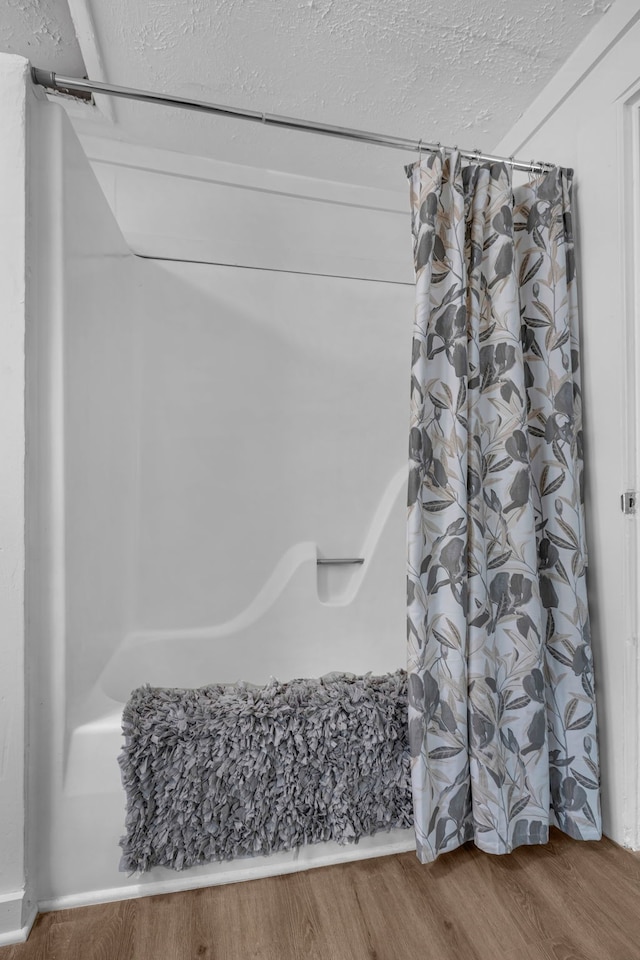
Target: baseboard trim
254	871
12	929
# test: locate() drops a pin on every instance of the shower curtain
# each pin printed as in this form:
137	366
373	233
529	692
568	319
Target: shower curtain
502	721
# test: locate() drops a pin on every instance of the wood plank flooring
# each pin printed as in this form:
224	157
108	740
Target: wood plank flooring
564	901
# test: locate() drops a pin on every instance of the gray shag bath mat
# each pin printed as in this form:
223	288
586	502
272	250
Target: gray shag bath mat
240	770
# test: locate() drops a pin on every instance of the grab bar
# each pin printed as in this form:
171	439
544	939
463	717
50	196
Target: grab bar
340	560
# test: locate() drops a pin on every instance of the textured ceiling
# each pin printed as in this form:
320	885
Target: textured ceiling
460	72
41	31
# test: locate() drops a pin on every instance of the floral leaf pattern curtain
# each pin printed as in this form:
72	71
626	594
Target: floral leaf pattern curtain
502	721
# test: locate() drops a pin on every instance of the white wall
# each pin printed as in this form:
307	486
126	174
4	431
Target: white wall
14	907
584	120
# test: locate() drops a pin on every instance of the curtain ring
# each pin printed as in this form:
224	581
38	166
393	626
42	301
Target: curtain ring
420	151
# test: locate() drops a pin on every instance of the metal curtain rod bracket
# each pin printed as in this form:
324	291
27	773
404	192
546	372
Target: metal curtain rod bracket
46	78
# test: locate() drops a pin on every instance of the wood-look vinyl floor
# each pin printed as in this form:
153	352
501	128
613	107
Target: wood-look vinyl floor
567	900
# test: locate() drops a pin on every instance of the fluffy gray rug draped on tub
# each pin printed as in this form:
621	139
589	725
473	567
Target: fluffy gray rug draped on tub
239	770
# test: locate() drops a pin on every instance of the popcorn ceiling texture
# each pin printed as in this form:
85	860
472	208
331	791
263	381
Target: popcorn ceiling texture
41	31
460	72
241	770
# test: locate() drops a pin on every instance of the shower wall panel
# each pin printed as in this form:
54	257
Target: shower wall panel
270	417
201	209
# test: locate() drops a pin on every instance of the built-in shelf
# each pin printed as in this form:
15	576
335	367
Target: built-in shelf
340	560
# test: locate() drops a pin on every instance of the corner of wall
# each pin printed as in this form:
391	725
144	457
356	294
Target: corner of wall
618	20
14	73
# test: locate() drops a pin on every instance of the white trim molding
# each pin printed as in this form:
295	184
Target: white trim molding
629	206
17	917
309	857
82	18
13	272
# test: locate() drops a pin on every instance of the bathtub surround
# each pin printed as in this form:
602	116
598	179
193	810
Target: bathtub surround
240	770
502	708
139	363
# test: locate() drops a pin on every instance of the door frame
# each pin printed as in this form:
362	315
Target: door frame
629	206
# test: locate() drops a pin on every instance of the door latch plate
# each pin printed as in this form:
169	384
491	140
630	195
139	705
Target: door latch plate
628	502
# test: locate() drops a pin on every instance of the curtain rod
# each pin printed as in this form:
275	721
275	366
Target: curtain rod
46	78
